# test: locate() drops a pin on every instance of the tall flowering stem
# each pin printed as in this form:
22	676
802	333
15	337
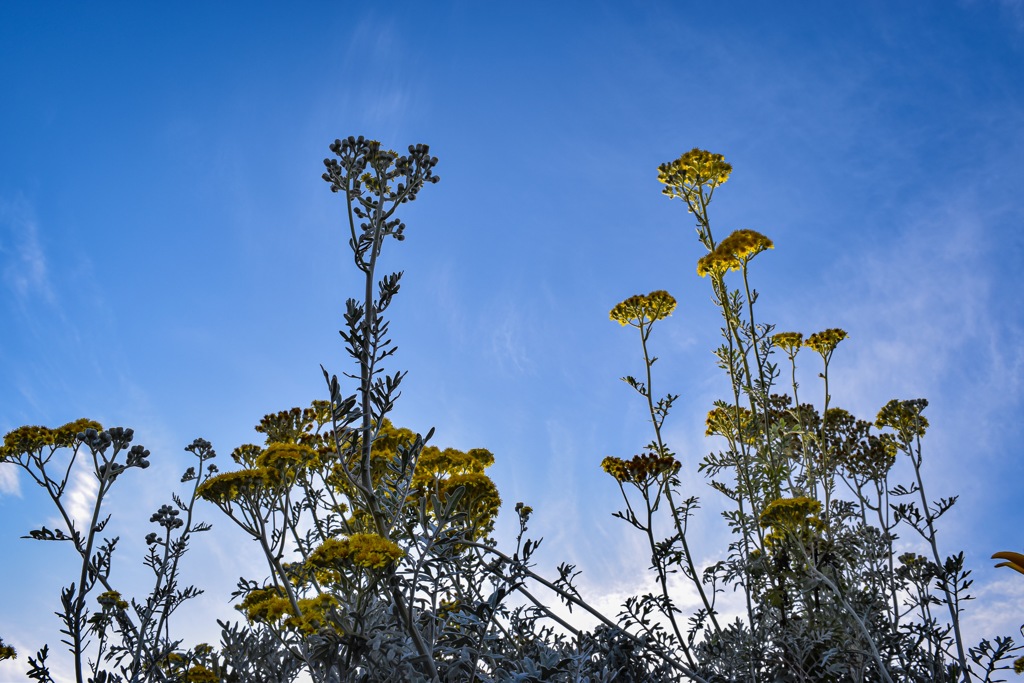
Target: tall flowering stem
654	475
822	586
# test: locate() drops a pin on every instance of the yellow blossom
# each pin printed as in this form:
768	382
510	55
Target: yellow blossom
643	309
743	245
480	499
286	459
904	417
715	263
315	614
265	605
825	342
435	462
111	599
226	487
32	439
695	169
785	516
369	551
6	651
640	469
721	421
871	458
790	342
200	674
733	253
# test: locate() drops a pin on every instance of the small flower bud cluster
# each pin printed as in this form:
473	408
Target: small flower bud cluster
167	517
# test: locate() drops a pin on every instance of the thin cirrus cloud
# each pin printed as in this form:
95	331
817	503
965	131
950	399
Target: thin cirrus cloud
24	263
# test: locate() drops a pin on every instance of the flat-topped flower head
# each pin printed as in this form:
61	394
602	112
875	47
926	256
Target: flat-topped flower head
825	342
369	551
904	417
265	605
640	469
694	169
288	457
743	245
790	342
715	263
32	439
734	252
643	309
227	486
798	516
200	674
735	424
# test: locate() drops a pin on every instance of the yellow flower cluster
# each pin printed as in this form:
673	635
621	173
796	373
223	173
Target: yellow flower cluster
480	499
265	605
292	426
200	674
904	417
797	516
6	651
694	169
733	253
443	471
369	551
111	599
287	458
315	613
32	439
228	486
721	421
826	341
643	309
435	462
448	607
246	454
790	342
640	469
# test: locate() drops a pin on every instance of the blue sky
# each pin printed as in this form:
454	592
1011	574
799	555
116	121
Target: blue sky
170	259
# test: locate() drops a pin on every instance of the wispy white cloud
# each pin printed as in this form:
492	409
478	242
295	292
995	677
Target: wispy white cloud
24	264
9	482
924	313
80	498
507	344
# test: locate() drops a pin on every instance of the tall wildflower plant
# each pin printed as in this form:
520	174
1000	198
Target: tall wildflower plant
813	504
110	638
381	564
381	567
